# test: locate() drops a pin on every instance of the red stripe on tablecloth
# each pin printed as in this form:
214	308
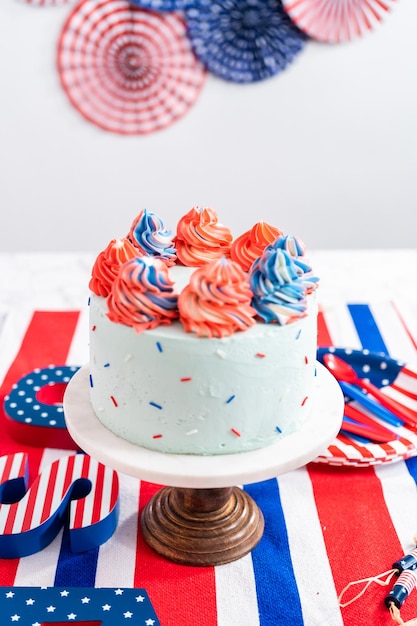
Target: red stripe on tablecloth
180	594
47	341
354	513
324	338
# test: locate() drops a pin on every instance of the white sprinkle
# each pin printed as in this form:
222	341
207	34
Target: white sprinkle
366	368
383	365
192	432
221	353
284	395
128	357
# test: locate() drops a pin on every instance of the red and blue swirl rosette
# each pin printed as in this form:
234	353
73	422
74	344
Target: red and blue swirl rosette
149	235
142	295
279	291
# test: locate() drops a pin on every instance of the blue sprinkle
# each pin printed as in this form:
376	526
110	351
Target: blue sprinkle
230	399
278	429
158	345
157	406
298	334
89	300
91	381
106	365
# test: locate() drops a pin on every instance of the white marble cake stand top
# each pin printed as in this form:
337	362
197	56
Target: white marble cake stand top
195	471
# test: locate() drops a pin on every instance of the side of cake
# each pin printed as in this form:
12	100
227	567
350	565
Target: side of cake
205	359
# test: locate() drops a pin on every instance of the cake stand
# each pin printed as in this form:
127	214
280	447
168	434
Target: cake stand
198	518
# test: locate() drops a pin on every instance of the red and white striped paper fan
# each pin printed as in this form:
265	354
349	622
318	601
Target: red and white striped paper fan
334	21
125	69
48	3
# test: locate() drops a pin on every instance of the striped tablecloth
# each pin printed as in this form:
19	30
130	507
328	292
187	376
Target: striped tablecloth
324	525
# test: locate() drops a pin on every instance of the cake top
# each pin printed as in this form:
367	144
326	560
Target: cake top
260	277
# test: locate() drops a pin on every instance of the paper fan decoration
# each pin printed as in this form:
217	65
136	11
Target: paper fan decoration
127	70
164	5
243	40
334	21
47	3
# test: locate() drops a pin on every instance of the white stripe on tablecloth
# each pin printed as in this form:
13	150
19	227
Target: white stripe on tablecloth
236	593
11	338
308	552
79	353
116	568
3	316
392	330
341	327
39	569
392	475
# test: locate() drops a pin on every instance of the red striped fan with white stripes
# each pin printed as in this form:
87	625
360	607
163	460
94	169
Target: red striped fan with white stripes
47	3
125	69
334	21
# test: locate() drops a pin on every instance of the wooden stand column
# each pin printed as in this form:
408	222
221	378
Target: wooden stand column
202	526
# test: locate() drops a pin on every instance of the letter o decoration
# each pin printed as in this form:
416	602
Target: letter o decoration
34	408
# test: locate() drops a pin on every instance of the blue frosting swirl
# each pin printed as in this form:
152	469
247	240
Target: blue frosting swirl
150	235
279	288
295	248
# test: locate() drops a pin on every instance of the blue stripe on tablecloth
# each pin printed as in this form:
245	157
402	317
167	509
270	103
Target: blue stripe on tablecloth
412	467
75	570
372	340
367	328
276	587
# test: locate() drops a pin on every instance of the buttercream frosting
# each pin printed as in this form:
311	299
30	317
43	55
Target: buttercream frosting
201	238
142	295
248	246
148	233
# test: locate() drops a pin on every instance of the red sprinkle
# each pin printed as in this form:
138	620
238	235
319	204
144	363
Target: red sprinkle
235	432
156	436
113	399
304	401
185	380
94	327
260	355
306	359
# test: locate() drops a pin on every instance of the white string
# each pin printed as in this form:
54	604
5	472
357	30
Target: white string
373	579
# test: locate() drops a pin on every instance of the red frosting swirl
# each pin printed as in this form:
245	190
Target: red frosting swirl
249	246
108	263
216	303
200	238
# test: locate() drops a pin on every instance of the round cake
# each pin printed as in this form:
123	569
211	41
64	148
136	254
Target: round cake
201	344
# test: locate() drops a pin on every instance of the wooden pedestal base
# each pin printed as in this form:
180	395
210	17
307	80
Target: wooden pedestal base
202	526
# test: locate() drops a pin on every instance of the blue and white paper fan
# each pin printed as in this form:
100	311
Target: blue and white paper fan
163	5
243	40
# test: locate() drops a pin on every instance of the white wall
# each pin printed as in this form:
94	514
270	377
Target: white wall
326	150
